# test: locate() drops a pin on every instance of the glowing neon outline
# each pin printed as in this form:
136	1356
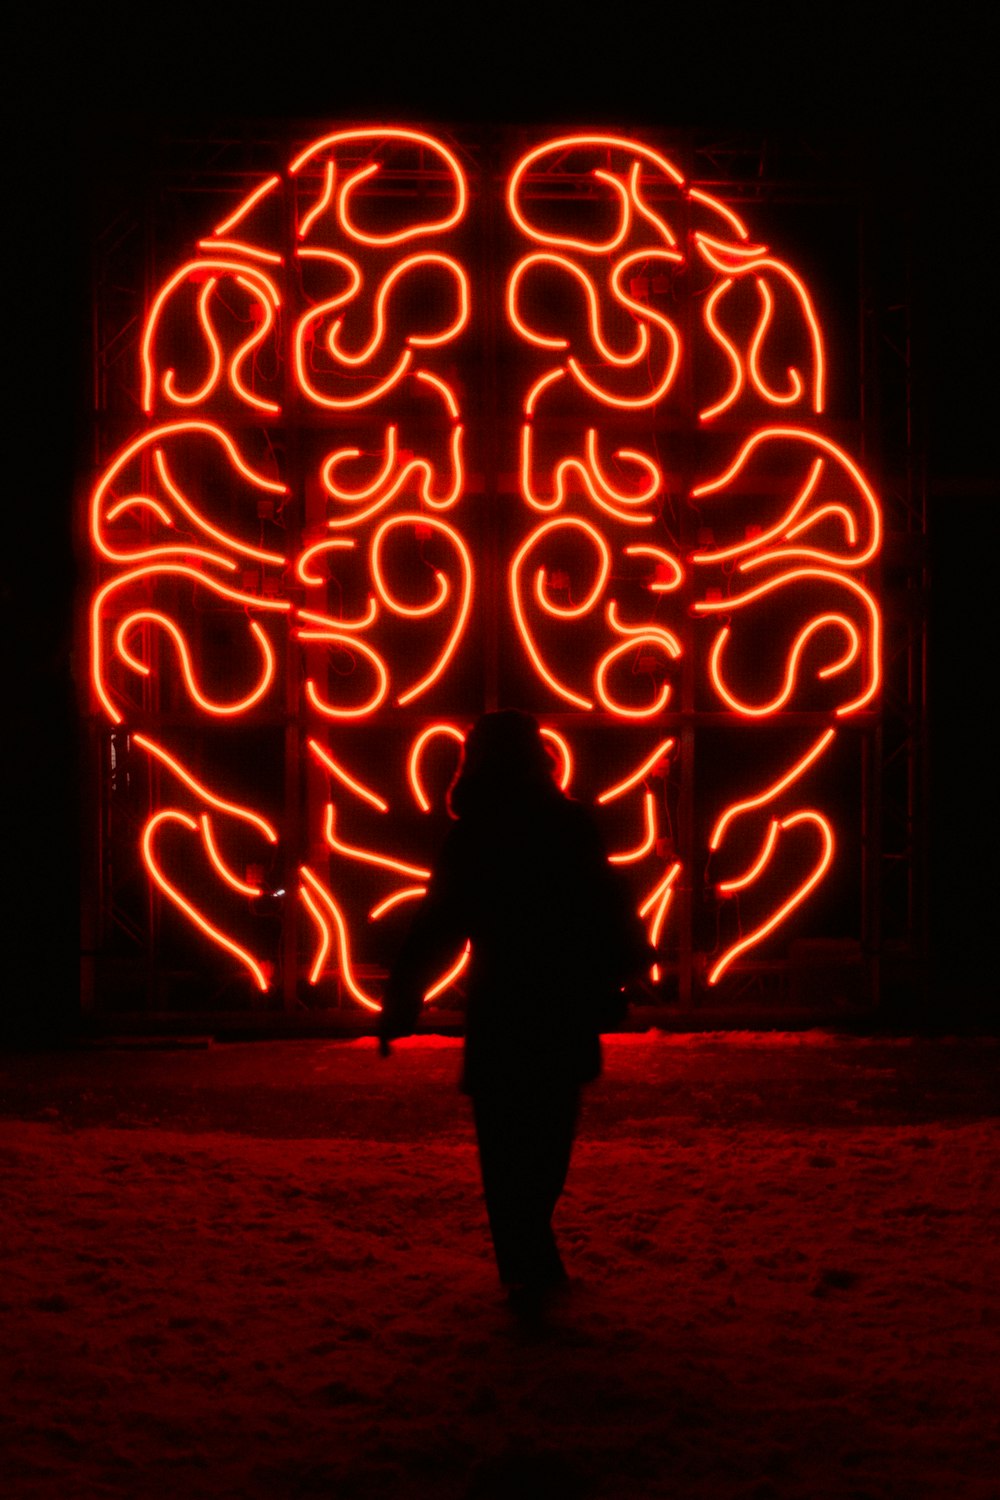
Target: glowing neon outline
202	791
773	791
154	436
796	899
246	205
440	385
818	622
572	611
386	136
659	702
593	478
339	258
565	756
333	544
634	403
750	875
725	401
725	554
662	893
709	606
325	941
743	259
243	352
350	644
168	385
408	893
169	570
763	324
632	148
544	257
344	403
135	502
155	617
416	755
336	769
242	886
343	940
514	585
366	856
632	856
805	435
648	767
181	901
655	634
458	629
636	635
449	978
241	247
323	202
649	214
659	633
664	559
531	400
249	276
384	496
415	340
699	196
186	508
330	622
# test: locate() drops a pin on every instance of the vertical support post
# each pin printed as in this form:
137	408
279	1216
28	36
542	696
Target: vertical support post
295	792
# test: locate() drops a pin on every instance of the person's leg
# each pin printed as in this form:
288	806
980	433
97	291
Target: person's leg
499	1153
555	1132
553	1127
525	1141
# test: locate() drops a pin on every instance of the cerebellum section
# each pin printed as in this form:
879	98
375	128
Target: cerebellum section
418	439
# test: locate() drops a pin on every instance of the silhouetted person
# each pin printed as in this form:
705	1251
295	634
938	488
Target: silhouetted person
522	874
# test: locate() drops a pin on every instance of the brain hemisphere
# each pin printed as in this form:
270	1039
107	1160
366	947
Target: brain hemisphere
686	352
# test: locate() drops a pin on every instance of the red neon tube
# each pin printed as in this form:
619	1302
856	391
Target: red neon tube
326	760
322	906
772	792
871	640
173	815
386	138
817	821
201	791
415	759
426	523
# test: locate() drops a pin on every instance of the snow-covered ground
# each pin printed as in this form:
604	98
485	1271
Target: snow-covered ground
263	1270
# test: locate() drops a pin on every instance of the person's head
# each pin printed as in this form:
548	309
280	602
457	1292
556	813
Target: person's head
504	757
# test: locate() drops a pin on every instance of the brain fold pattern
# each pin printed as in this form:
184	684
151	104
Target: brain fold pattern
327	549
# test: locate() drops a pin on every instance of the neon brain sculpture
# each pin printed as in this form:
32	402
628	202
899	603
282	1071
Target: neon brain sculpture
378	487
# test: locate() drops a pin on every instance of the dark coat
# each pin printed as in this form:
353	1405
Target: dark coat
525	879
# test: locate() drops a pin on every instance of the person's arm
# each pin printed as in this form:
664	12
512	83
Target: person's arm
436	933
624	953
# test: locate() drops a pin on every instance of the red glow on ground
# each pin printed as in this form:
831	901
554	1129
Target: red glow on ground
219	1258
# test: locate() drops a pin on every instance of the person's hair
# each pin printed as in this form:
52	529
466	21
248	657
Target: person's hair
504	758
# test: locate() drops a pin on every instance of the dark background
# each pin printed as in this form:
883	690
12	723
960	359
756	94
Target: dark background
85	99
